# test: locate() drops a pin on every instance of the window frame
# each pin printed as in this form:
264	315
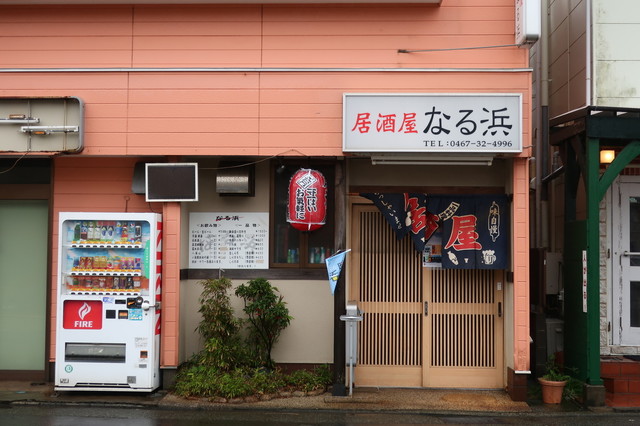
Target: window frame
291	166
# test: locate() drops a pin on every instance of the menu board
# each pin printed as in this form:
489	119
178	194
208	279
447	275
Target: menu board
229	240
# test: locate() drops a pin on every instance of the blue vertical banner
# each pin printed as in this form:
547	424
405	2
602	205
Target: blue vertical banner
334	268
475	230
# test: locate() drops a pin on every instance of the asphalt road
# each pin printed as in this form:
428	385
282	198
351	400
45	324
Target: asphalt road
38	415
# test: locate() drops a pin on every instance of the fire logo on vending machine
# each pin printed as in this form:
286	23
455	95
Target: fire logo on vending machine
82	314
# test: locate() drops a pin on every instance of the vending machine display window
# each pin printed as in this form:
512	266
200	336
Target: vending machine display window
106	257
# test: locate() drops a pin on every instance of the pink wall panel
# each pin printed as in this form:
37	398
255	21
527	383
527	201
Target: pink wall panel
194	144
520	230
65	36
199	13
105	144
212	26
225	94
195	81
258	35
37	58
104	85
197	58
301	110
224	112
198	42
171	217
235	113
193	110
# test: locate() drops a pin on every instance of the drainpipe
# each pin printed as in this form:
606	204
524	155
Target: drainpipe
542	147
589	56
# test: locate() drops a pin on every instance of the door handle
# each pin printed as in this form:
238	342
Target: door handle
426	308
499	309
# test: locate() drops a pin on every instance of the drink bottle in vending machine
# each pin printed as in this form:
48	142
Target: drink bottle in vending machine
108	310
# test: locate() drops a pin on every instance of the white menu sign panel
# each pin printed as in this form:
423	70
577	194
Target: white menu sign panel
447	123
229	240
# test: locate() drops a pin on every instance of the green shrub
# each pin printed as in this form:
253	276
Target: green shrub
267	315
197	380
306	380
228	368
204	381
235	384
267	381
218	320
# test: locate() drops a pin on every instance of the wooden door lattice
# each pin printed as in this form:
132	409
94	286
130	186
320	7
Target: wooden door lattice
390	289
462	315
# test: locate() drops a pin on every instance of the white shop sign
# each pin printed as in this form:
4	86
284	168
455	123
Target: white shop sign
447	123
229	240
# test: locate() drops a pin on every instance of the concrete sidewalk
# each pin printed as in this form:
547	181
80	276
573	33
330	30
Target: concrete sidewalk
363	399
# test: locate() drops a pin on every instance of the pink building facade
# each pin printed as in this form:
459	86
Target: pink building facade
264	85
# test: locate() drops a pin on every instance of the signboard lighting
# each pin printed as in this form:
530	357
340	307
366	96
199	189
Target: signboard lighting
47	130
19	119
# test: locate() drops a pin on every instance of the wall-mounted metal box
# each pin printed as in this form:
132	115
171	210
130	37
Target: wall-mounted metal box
235	180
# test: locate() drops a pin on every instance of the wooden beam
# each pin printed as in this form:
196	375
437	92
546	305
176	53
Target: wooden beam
613	127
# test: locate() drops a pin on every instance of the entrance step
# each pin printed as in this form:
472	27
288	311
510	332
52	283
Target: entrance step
621	376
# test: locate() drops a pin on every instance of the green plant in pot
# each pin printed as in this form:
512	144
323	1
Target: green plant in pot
553	382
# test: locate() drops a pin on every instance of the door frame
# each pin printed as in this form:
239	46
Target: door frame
420	376
621	186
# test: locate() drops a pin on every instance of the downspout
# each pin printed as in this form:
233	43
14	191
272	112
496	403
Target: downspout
542	145
589	56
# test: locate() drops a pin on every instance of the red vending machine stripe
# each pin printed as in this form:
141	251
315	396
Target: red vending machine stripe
158	276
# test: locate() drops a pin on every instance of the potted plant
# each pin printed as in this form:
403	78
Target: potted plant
553	382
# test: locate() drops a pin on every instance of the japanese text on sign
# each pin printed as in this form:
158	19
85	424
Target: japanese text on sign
432	123
229	240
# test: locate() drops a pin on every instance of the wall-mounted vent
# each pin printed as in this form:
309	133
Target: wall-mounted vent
235	179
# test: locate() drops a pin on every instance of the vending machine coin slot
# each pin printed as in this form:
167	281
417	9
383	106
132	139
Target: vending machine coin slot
134	302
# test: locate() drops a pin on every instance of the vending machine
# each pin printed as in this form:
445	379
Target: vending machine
108	302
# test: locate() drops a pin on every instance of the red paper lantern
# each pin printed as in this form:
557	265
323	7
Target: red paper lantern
307	200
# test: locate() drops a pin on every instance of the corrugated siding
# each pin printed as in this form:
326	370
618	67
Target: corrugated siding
247	113
232	113
258	35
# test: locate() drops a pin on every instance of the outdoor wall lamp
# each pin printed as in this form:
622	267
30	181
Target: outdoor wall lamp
47	130
607	156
